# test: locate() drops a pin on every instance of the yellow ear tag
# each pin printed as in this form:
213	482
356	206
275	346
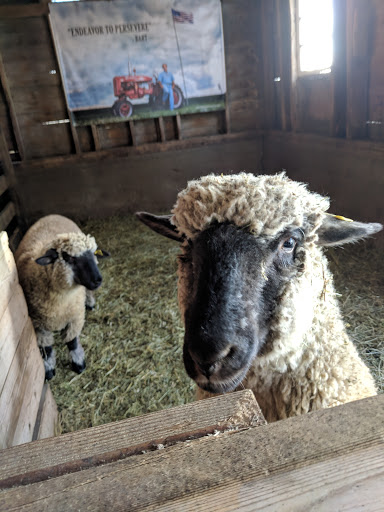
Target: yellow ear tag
98	252
340	217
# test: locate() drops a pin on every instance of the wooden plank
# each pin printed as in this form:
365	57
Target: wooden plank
14	239
145	149
208	123
281	47
133	134
178	125
360	23
12	324
241	460
6	215
162	129
145	132
9	100
48	417
57	184
72	452
45	103
347	482
7	262
57	137
75	137
96	139
28	10
111	135
3	185
20	396
10	176
339	70
8	274
267	30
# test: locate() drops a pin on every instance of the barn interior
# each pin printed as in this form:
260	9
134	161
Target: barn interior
323	127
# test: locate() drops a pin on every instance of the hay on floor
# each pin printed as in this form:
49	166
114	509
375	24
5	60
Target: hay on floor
133	339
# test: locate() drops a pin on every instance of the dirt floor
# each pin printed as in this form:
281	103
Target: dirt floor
133	338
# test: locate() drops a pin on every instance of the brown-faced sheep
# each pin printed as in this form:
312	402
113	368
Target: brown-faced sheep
57	266
256	294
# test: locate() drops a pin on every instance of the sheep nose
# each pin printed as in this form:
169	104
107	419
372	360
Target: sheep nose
98	280
207	369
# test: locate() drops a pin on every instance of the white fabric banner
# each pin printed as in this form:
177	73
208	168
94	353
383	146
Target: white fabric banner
124	58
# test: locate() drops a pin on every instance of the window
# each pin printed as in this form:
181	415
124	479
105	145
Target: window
314	36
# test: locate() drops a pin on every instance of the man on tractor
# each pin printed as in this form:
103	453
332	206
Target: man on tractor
167	83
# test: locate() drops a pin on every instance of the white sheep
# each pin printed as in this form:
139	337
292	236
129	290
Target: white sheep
57	267
256	294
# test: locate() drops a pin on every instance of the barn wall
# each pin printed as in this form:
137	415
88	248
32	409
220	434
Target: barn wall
347	103
101	185
113	168
327	130
350	172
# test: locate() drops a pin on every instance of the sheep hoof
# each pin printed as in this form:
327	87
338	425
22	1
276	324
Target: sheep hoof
78	368
49	374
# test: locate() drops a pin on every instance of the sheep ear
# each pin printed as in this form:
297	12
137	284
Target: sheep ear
337	230
161	224
49	257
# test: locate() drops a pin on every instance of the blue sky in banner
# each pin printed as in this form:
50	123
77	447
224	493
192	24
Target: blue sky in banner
95	43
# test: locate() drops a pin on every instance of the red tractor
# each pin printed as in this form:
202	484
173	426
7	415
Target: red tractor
133	87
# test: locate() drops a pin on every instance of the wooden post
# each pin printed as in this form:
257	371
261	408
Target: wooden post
294	103
133	134
360	23
75	136
339	67
283	42
96	139
161	129
178	125
10	177
12	111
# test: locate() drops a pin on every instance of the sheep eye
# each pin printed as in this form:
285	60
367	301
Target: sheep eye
288	245
68	258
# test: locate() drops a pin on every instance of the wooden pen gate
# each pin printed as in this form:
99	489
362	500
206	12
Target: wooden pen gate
27	408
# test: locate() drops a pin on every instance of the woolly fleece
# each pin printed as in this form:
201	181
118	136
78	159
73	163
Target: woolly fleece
265	205
308	361
55	302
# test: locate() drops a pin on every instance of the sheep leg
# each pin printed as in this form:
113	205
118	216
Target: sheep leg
45	342
76	353
89	300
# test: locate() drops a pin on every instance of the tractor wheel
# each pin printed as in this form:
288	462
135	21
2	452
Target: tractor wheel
178	98
122	108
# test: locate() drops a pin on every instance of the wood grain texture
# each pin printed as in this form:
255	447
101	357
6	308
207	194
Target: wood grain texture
138	178
3	185
12	324
20	395
47	426
347	482
7	215
10	104
8	282
73	451
343	446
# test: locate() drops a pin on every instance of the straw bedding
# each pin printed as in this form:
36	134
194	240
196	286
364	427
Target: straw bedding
133	339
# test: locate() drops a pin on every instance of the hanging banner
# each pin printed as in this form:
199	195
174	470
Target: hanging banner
130	59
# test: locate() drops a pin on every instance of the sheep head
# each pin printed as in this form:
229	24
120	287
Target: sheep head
250	248
71	260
